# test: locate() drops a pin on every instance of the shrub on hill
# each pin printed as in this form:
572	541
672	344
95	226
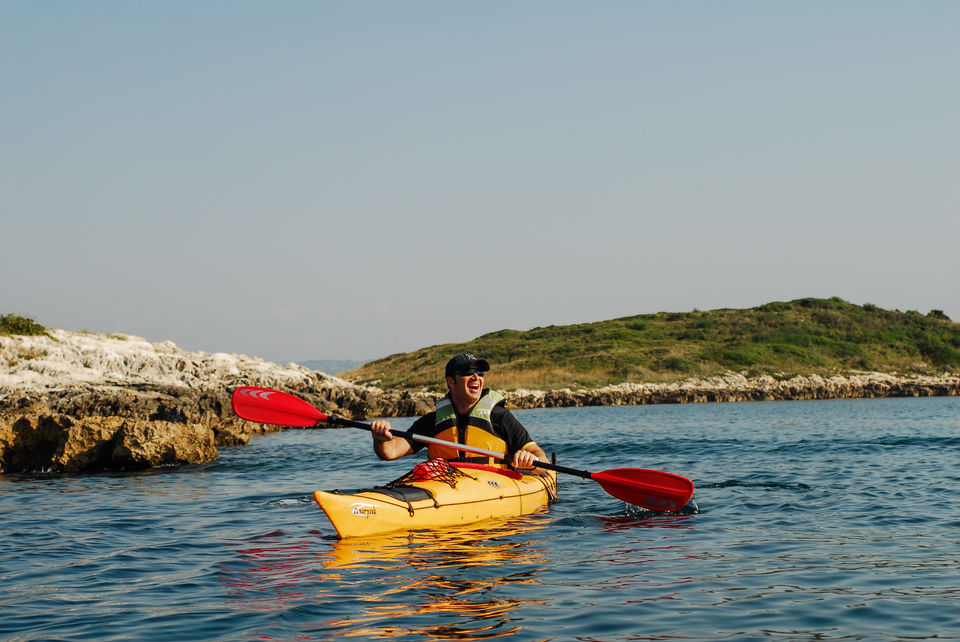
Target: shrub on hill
14	324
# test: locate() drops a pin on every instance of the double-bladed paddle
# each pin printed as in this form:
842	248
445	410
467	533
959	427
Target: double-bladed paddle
652	489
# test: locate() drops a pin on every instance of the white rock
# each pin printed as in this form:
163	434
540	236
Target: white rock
67	358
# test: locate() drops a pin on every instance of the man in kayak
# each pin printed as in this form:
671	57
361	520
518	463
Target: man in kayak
469	414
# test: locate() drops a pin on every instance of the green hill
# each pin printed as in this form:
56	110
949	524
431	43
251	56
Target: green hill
806	336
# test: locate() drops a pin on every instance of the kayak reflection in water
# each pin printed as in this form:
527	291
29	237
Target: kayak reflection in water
468	414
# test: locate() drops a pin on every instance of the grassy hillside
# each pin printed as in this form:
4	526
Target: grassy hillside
806	336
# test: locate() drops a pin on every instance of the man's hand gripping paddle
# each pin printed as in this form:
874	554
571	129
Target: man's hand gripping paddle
652	489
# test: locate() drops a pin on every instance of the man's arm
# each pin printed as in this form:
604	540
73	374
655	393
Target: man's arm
527	451
526	458
385	444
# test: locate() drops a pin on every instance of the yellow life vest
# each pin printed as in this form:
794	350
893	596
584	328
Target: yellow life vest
478	431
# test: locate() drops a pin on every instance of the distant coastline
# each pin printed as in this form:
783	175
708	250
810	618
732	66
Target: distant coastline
332	366
73	402
734	387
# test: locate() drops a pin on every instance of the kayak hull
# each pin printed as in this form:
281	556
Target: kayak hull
477	493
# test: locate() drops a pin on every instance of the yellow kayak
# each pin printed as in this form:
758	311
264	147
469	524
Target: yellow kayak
437	494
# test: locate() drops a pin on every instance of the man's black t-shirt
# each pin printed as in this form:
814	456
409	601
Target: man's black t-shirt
505	426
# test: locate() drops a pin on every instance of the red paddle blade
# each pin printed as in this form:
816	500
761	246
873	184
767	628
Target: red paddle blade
267	406
653	489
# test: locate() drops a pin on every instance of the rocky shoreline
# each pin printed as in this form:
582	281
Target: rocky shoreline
76	402
738	387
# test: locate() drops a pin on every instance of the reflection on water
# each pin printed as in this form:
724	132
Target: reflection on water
275	571
451	584
464	578
447	574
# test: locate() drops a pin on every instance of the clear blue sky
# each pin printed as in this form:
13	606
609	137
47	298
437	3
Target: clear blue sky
310	180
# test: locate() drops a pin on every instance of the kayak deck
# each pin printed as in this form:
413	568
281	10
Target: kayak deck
435	495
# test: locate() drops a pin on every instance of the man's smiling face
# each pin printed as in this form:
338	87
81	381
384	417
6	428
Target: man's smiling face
465	389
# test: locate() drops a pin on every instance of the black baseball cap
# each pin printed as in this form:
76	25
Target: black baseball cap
463	361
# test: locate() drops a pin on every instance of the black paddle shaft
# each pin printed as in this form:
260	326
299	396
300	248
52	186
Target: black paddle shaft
340	421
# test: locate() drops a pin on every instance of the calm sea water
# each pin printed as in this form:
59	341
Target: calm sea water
816	520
